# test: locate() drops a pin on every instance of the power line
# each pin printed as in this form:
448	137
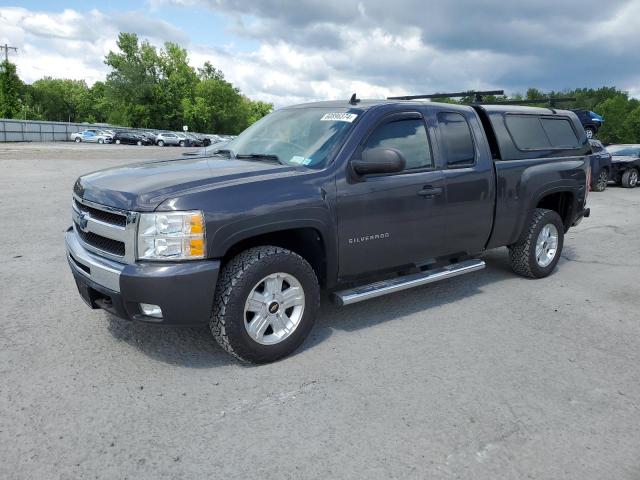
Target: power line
6	49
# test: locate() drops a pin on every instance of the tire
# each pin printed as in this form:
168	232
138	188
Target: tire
181	143
118	141
243	275
160	143
591	133
523	255
139	143
77	140
630	178
100	141
601	181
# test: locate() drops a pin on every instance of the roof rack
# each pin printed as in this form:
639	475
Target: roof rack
552	101
476	94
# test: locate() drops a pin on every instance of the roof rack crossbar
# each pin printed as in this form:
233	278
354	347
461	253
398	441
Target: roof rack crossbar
552	101
477	95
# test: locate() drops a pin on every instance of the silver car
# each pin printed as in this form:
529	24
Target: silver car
91	136
167	138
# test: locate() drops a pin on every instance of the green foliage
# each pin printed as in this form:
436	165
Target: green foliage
11	91
145	87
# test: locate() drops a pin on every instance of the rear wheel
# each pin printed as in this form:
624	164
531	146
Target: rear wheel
539	251
630	178
138	143
181	143
601	181
265	304
118	141
590	132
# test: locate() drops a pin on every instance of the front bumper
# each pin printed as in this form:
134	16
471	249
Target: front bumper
184	291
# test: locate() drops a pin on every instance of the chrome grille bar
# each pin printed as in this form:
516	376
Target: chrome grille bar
92	221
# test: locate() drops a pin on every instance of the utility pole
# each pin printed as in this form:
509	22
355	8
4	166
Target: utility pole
6	49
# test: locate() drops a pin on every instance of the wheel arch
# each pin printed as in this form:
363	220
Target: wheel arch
560	201
308	241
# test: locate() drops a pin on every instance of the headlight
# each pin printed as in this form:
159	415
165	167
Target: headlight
171	236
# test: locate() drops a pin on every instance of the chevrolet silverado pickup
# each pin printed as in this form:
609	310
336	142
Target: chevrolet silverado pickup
360	198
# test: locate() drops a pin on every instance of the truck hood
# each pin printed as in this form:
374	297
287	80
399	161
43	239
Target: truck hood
623	158
143	186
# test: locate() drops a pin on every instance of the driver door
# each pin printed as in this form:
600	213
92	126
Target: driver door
389	221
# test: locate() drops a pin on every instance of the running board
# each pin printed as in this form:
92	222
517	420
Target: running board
377	289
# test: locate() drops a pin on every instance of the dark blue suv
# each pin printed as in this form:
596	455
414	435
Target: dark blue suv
591	121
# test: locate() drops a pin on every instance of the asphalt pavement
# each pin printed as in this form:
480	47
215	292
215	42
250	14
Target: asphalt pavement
484	376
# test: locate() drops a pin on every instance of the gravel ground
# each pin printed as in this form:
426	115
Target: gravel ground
483	376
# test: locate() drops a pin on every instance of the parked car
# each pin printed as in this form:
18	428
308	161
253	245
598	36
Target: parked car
187	140
355	197
625	164
167	138
91	136
130	138
600	166
198	140
591	121
152	136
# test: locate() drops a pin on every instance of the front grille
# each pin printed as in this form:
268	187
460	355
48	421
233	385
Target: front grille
105	244
101	215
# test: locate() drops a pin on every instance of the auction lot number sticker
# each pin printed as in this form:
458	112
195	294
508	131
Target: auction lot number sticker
339	117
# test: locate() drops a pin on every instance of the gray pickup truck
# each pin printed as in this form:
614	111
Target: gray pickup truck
360	198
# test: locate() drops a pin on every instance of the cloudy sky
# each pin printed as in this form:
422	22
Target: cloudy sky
288	51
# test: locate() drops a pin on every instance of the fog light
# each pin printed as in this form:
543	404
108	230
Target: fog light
151	310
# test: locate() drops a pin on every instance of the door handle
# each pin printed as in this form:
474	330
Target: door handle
430	192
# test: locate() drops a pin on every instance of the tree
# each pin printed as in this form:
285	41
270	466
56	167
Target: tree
11	89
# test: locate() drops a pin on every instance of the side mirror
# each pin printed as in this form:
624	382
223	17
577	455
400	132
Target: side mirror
379	160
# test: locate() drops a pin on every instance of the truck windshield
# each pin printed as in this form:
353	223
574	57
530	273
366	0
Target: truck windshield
296	136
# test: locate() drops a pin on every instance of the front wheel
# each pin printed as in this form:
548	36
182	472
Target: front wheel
138	143
160	143
601	181
590	132
538	253
630	178
265	304
182	143
118	141
77	140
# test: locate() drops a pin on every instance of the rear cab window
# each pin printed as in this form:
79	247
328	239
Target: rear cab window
457	139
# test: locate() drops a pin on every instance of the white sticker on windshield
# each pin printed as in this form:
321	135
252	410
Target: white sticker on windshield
339	117
298	160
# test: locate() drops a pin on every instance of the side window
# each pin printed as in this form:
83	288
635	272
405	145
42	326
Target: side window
560	132
457	139
532	132
407	136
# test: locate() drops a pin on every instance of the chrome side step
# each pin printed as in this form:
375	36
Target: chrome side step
377	289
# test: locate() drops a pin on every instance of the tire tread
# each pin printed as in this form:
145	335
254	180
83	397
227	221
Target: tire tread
231	277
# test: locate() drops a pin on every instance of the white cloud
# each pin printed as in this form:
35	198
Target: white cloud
308	50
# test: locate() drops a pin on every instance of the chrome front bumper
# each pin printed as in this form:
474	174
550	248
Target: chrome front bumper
97	269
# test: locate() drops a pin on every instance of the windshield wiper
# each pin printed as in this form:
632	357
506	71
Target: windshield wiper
260	156
224	151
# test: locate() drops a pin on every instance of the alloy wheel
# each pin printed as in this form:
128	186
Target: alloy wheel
546	245
274	308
